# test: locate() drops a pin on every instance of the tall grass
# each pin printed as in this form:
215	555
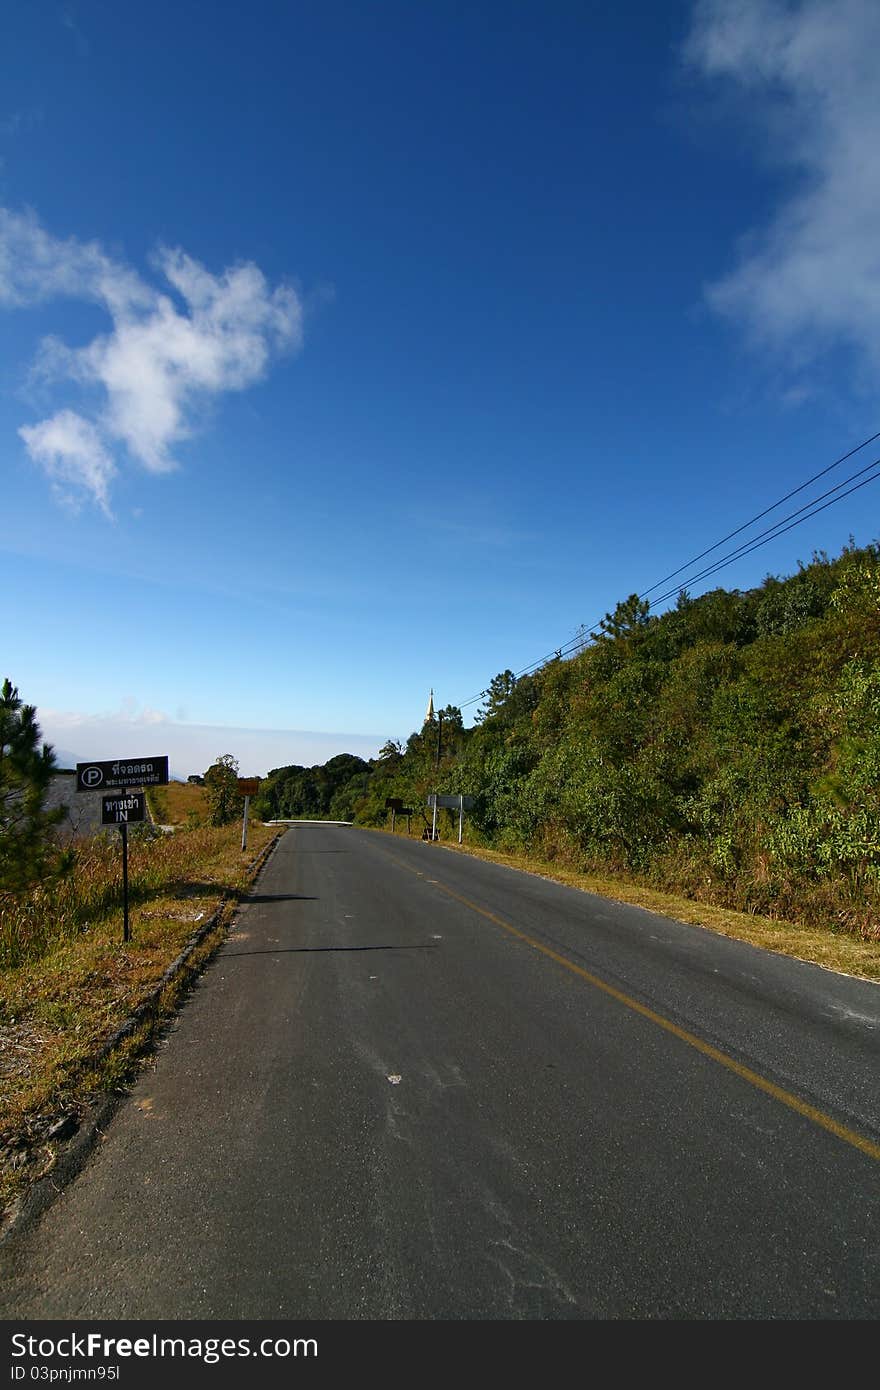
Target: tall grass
32	923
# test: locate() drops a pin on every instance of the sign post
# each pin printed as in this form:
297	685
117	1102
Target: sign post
457	802
248	786
126	930
119	810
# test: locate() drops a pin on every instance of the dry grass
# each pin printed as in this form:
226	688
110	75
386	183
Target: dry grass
178	803
825	946
71	982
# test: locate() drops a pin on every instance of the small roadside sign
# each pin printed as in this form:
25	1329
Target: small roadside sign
124	772
395	805
122	810
247	787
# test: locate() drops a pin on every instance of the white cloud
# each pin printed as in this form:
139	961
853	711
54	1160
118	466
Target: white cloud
165	351
35	267
69	449
131	711
809	282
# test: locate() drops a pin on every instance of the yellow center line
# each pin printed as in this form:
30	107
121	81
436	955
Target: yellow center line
818	1117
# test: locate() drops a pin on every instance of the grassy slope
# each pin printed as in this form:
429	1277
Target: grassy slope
177	803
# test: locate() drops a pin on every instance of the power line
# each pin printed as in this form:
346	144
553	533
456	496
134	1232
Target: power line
780	528
763	538
766	512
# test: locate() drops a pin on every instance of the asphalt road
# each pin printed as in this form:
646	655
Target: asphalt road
417	1086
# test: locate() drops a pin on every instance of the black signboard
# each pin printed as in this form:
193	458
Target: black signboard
124	772
123	808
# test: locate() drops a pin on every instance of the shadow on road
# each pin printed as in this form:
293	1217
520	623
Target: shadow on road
279	898
317	851
316	950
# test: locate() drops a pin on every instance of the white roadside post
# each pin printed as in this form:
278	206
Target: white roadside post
458	801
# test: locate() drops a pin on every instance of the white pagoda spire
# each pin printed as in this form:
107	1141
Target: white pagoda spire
430	711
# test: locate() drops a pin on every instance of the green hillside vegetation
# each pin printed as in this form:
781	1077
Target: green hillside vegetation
332	791
727	751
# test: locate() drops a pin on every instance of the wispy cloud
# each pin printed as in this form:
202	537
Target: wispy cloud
69	448
808	282
69	21
167	349
20	121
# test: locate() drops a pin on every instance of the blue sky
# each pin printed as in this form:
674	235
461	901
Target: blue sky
350	351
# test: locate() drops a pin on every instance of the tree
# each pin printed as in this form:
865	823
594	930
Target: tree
452	719
221	790
450	733
629	618
27	852
391	749
501	688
